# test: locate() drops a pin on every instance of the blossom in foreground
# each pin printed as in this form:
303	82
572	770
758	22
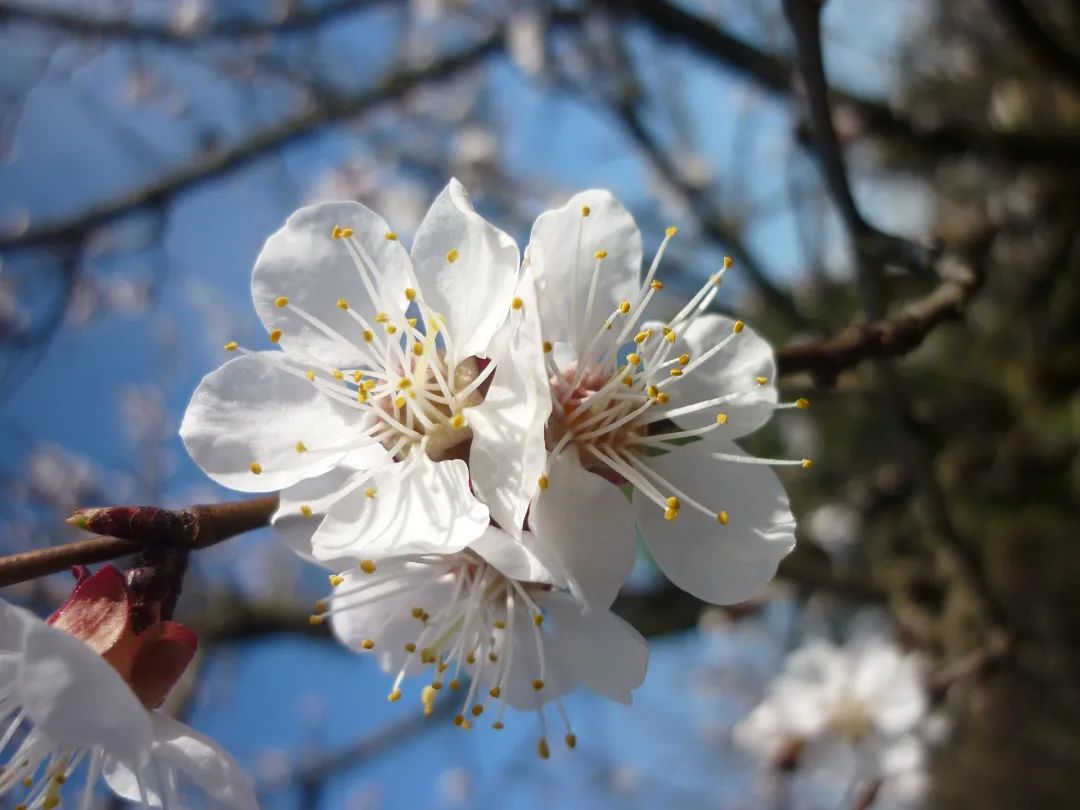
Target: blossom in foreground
489	631
715	519
386	375
81	689
849	715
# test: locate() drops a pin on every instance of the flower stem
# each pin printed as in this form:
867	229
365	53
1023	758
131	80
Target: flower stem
128	530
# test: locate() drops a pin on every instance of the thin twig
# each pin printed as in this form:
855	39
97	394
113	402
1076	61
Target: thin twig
195	527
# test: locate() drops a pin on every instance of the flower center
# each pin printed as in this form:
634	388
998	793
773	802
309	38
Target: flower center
851	719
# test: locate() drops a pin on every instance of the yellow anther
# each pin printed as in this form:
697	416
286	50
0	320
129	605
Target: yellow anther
370	492
232	346
459	719
346	233
716	279
399	403
281	301
417	612
670	232
538	685
585	210
418	349
342	304
802	403
684	359
761	380
412	395
543	482
394	696
495	692
368	385
314	620
367	566
337	374
301	447
500	625
670	336
412	322
305	510
310	374
652	391
458	421
728	261
663	398
410	648
624	307
442	666
722	517
275	335
410	294
27	782
368	644
357	376
671	514
436	685
361	395
381	317
427	656
633	358
335	580
571	738
335	232
673	503
404	383
657	284
542	748
497	725
477	710
390	236
455	684
517	303
452	256
470	658
492	657
538	619
721	419
627	381
546	346
427	696
255	467
368	335
600	255
390	329
676	372
807	463
320	606
737	327
641	337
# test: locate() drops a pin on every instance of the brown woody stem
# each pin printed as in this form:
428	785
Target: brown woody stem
135	529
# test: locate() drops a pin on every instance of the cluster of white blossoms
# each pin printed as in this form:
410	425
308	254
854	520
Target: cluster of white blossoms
852	718
471	442
81	690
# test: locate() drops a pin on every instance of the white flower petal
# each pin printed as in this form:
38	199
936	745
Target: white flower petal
603	652
386	615
735	368
473	292
73	697
13	624
184	750
521	558
588	525
562	249
508	451
251	410
429	510
720	564
314	271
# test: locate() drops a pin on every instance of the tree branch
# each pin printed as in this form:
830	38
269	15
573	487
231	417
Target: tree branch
67	20
259	144
1039	43
774	74
133	529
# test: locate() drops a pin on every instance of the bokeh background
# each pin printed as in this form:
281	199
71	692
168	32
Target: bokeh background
906	235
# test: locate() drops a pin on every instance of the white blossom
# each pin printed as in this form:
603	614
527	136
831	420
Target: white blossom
81	691
715	519
386	383
844	715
